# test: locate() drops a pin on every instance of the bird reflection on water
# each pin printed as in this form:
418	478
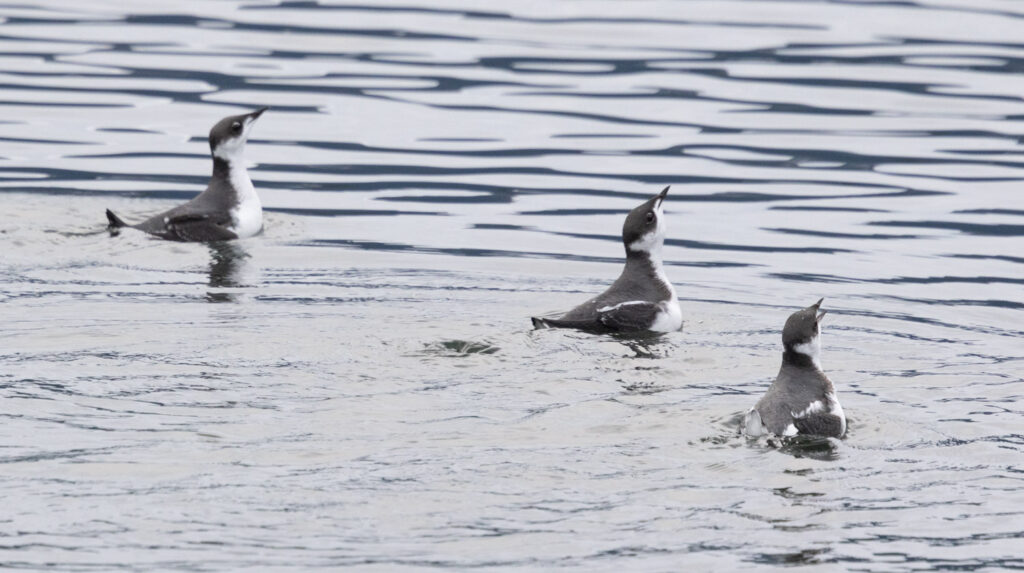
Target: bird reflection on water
228	265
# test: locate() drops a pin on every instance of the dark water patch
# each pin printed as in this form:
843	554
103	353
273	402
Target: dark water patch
486	193
905	87
788	493
577	212
690	244
462	199
910	318
60	174
749	197
126	130
794	108
665	93
970	539
45	104
188	21
75	453
348	212
791	559
500	227
842	160
423	82
833	235
45	141
454	140
475	252
600	136
460	252
221	81
385	170
1003	258
643	388
493	15
73	191
991	303
981	229
753	248
985	152
708	129
140	155
812	277
1015	212
824	208
362	148
598	117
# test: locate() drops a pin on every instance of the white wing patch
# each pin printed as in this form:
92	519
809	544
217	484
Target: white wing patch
812	408
620	305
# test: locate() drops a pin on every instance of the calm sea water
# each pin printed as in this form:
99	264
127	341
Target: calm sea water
359	386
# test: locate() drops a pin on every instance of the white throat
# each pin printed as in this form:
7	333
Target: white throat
811	349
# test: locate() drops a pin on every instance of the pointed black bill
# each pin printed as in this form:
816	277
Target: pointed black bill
661	196
817	306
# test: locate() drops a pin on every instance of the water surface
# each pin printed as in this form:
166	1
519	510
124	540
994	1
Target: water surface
359	385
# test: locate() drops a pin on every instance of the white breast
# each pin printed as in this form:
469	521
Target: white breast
247	216
670	319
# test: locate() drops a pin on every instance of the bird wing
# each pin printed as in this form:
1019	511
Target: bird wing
819	424
198	227
629	315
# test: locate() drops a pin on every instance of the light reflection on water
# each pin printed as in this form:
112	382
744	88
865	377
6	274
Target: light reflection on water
369	392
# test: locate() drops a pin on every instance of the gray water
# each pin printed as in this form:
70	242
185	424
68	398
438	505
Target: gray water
359	385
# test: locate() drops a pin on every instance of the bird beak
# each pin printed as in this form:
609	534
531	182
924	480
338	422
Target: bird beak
256	114
661	197
817	306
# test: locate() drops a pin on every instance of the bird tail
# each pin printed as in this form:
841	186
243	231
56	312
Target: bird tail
114	222
539	323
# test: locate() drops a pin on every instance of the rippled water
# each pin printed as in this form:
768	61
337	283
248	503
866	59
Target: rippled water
359	385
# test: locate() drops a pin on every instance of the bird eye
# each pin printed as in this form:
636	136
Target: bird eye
236	127
650	216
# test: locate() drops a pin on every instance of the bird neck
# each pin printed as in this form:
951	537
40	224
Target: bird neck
648	264
791	357
640	260
235	173
221	167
